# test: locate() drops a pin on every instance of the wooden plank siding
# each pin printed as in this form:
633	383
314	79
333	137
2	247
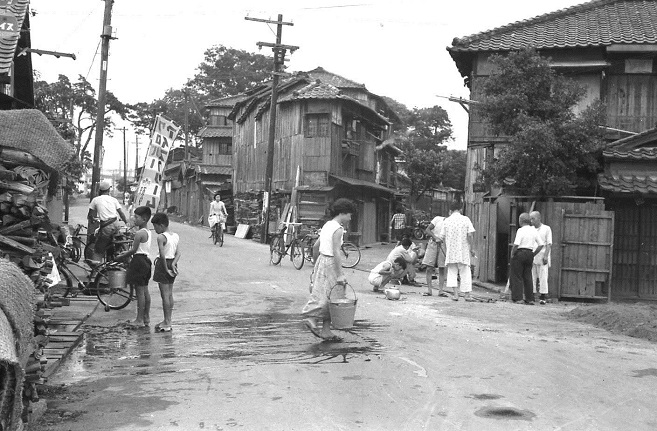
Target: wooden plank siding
632	102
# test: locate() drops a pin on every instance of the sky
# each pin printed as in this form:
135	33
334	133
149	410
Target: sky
396	48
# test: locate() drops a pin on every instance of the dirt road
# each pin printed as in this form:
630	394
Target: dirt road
238	358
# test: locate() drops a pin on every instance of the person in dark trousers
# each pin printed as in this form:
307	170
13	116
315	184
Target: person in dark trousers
526	245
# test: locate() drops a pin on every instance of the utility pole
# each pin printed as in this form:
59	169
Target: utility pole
136	155
279	59
186	124
100	117
125	164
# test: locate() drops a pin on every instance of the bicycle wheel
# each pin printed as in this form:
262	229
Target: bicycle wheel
275	251
221	236
296	254
351	255
114	298
66	278
215	235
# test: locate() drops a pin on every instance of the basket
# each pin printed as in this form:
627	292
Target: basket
342	310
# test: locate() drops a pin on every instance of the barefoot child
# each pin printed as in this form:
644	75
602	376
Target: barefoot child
166	266
139	269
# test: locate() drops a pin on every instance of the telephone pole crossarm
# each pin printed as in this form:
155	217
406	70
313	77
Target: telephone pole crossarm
269	21
292	48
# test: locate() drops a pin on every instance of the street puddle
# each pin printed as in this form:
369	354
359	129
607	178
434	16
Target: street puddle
483	397
652	372
511	413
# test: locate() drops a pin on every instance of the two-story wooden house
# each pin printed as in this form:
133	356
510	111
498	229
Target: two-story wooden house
609	46
329	143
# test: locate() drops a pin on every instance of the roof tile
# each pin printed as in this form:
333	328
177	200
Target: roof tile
629	184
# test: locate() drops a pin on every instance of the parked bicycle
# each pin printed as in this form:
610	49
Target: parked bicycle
350	252
295	249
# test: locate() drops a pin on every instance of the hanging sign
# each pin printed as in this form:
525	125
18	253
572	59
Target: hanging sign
8	25
150	184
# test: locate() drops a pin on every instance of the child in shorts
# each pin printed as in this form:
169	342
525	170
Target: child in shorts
385	272
139	269
166	266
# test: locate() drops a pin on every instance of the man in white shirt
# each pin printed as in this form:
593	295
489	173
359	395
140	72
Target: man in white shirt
458	234
108	210
405	251
527	244
542	259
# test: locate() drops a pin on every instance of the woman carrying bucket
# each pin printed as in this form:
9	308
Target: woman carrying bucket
328	275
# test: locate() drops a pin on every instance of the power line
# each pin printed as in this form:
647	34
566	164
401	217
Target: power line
93	60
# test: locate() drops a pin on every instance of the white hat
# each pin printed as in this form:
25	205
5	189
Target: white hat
105	185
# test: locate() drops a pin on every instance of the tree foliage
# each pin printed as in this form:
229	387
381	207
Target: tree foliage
427	162
72	107
224	72
552	150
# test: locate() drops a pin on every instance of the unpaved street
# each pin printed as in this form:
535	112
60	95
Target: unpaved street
238	358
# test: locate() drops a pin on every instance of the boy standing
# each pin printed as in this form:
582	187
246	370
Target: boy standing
139	270
166	267
434	258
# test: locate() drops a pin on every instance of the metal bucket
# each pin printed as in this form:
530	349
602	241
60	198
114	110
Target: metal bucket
342	310
116	278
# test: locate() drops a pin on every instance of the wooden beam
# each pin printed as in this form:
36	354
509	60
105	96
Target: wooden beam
617	47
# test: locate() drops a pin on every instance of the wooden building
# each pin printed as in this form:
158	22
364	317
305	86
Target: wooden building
16	74
600	44
329	143
629	184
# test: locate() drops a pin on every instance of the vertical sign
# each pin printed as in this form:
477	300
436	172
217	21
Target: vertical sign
150	183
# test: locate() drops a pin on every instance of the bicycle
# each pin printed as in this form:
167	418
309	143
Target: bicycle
295	248
99	277
350	252
218	232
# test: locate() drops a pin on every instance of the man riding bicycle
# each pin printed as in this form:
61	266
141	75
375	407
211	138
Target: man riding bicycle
108	210
218	214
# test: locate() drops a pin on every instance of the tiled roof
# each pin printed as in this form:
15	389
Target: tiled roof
8	44
225	102
216	132
333	79
595	23
645	138
315	90
629	184
645	154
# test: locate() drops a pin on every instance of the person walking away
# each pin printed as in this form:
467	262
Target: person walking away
139	269
542	260
166	266
328	271
397	225
405	251
218	210
526	245
386	272
457	234
108	210
434	257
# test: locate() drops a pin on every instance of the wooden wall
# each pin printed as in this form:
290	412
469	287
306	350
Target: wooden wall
632	102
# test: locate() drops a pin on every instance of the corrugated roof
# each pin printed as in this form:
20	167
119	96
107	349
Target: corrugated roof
18	9
630	184
216	132
596	23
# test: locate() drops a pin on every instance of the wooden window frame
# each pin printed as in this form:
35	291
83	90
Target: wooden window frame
317	125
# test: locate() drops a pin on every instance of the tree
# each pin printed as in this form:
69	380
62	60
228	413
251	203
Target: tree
426	161
224	72
72	108
552	150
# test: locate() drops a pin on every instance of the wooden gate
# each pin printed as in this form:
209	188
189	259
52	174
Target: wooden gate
586	255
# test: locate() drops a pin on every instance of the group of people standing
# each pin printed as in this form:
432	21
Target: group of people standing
449	250
108	209
530	259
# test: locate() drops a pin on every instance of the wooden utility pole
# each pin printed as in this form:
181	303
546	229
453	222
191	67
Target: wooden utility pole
136	155
125	164
102	89
279	59
186	124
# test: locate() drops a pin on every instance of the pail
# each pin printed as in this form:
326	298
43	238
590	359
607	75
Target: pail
342	310
116	278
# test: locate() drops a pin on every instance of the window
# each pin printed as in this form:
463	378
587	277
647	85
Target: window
317	125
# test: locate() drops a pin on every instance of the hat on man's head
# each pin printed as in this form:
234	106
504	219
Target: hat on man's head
105	185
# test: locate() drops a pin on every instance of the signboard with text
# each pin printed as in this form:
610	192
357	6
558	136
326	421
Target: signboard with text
8	25
150	184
